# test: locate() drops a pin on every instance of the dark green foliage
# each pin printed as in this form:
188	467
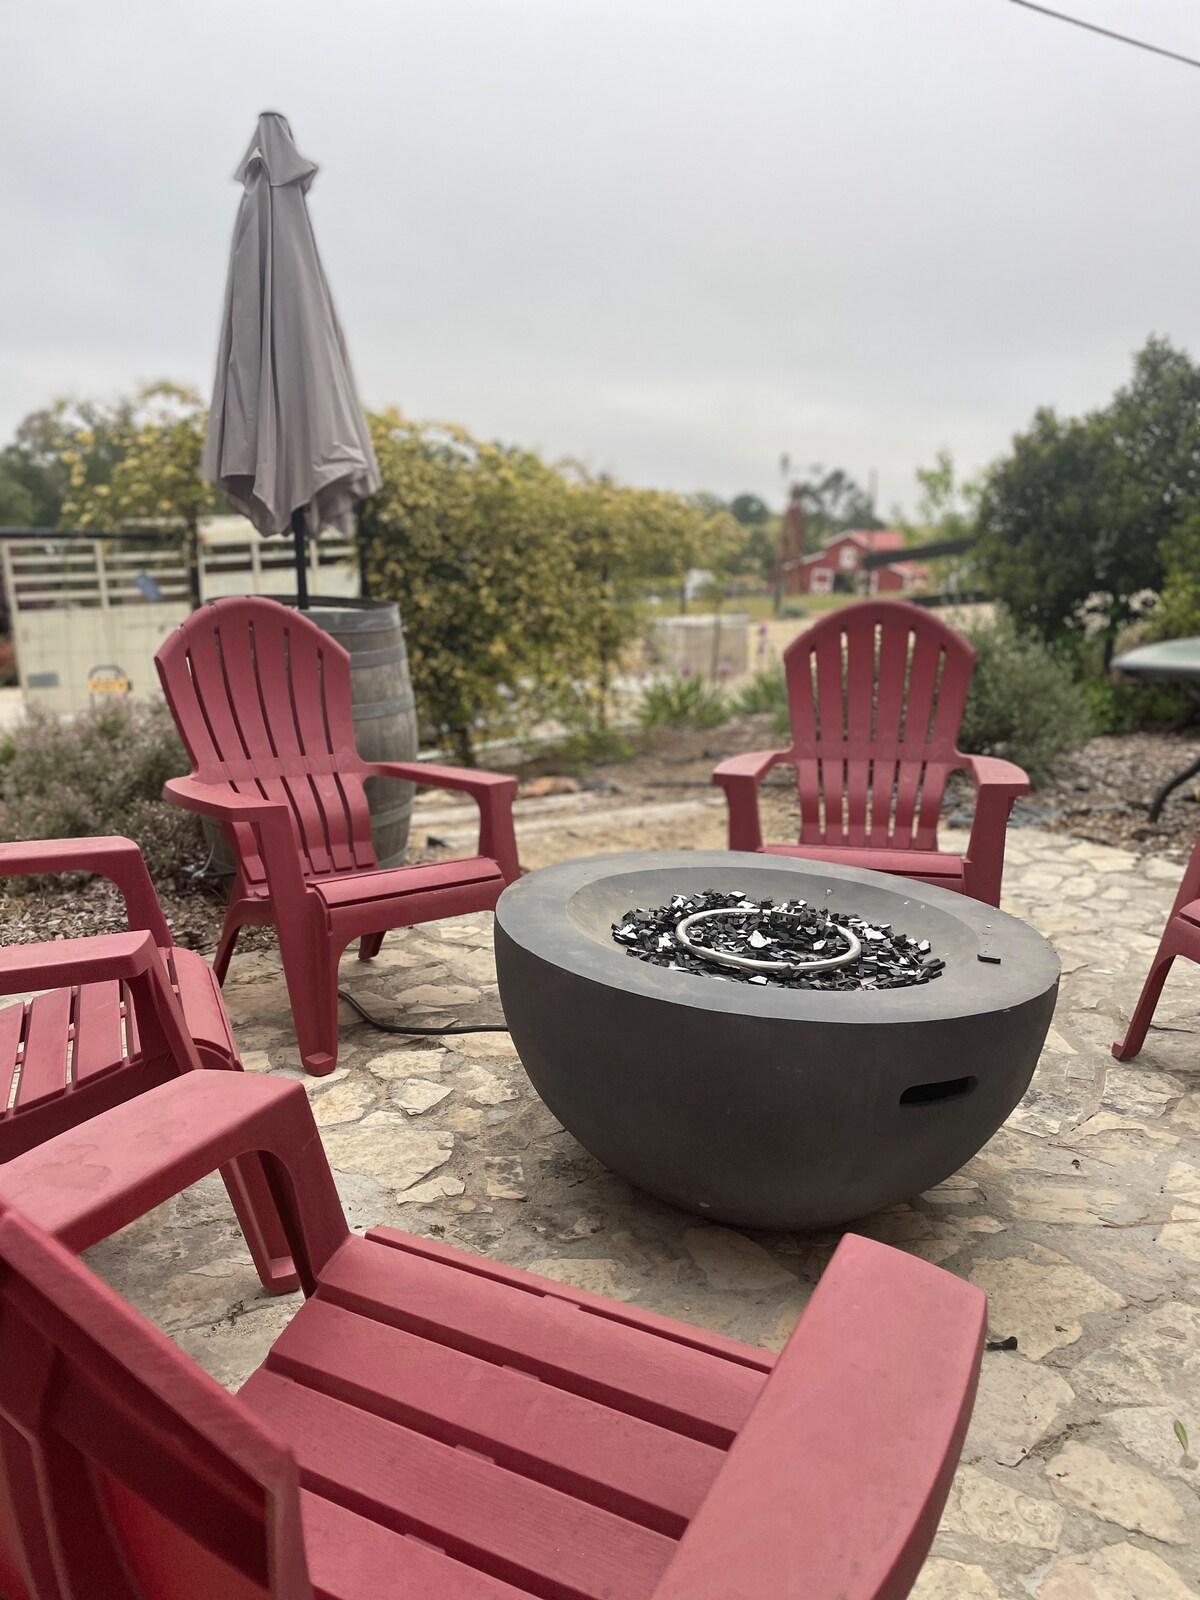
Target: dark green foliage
17	505
831	503
101	772
1072	525
1177	615
1025	703
765	695
1117	704
749	510
682	703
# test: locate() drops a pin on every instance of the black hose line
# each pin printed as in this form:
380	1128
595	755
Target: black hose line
392	1027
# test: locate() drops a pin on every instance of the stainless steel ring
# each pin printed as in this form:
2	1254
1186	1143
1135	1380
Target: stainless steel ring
749	963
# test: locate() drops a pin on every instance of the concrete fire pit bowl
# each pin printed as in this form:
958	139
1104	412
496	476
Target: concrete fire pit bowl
769	1107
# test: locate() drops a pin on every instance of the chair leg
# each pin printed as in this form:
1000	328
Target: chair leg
248	1189
314	1001
229	937
1143	1014
369	946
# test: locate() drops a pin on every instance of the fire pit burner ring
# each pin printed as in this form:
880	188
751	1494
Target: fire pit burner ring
726	958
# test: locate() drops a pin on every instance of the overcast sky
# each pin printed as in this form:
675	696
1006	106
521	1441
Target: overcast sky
673	238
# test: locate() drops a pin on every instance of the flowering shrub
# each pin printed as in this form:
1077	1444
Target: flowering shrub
98	773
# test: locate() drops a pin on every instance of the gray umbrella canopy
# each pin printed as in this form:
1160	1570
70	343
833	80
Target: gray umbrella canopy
286	433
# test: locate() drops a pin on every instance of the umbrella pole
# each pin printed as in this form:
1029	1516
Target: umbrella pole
301	560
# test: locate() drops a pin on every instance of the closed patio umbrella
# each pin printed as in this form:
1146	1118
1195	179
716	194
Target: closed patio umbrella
287	439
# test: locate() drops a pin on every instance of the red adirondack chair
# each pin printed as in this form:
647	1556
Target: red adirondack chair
876	693
123	1012
261	697
435	1426
1181	937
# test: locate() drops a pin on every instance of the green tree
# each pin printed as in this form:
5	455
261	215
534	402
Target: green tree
462	535
832	502
947	508
520	583
16	502
1072	524
45	448
143	469
749	510
1177	615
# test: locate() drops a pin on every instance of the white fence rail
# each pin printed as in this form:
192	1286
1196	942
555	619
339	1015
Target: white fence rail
88	614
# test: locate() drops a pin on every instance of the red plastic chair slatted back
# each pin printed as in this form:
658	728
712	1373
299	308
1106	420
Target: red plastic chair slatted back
876	694
261	697
126	1473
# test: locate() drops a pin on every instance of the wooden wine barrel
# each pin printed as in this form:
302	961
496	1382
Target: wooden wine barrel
385	717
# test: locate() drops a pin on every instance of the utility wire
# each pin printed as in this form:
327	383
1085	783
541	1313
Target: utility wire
1122	38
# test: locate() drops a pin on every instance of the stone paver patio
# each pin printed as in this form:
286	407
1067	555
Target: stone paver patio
1081	1219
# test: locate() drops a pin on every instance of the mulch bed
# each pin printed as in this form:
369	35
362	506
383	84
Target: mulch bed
1103	792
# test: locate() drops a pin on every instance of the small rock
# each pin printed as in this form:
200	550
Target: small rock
386	1145
984	1508
464	1119
1122	1141
1121	1572
1017	1405
953	1191
1083	1476
1042	1113
1183	1180
401	1062
1047	1202
1139	1091
1041	1302
505	1178
428	1193
438	997
485	1088
1159	871
953	1580
416	1095
1156	1359
484	1044
1149	1432
1182	1233
345	1102
595	1274
1055	1041
733	1263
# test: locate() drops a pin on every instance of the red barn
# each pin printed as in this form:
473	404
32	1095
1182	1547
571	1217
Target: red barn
838	565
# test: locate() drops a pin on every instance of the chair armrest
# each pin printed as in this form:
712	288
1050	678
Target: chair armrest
493	793
114	858
993	776
61	963
997	785
87	1183
273	826
740	777
133	958
834	1487
216	800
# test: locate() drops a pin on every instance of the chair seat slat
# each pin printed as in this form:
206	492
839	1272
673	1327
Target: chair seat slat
47	1043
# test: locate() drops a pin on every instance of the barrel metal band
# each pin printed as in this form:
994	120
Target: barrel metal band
378	658
383	708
